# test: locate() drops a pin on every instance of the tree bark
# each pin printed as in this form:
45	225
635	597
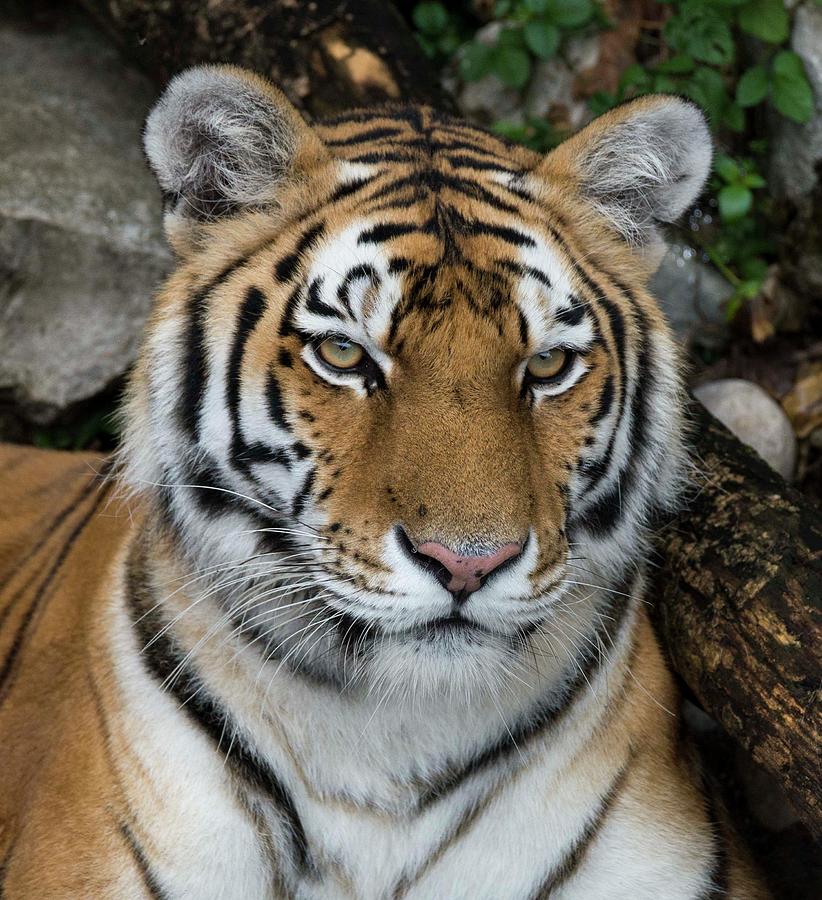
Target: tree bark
738	606
738	592
327	55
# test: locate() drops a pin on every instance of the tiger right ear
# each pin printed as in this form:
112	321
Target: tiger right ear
639	165
222	141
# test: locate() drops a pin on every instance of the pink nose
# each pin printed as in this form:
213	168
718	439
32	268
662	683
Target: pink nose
467	572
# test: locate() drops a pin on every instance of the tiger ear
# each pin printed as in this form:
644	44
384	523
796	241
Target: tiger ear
221	141
639	165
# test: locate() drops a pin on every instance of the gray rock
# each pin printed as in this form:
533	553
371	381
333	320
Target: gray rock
755	418
797	149
81	245
693	297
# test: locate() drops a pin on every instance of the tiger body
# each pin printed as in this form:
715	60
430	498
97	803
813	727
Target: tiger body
226	670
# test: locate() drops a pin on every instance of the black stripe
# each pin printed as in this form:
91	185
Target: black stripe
315	304
551	712
194	370
372	134
276	410
150	881
286	323
572	315
606	400
252	310
9	667
347	189
523	271
575	856
385	231
162	658
302	496
464	161
523	327
262	453
503	232
287	266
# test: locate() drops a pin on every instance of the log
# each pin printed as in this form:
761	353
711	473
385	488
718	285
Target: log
738	606
739	586
327	55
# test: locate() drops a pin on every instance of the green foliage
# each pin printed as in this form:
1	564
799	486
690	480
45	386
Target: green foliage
532	30
704	54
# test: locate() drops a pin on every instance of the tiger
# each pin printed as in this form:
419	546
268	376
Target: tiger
359	607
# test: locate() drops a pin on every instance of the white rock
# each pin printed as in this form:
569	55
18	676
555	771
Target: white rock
755	418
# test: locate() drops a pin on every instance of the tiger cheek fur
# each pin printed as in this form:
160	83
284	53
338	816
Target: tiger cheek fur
367	619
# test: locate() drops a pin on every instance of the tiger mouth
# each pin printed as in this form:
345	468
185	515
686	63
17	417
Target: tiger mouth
454	624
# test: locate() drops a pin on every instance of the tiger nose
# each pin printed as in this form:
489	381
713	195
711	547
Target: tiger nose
460	573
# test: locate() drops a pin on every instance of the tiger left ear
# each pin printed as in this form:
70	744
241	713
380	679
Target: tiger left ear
639	165
222	141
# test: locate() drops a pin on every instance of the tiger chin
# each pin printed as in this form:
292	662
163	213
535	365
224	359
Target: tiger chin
359	608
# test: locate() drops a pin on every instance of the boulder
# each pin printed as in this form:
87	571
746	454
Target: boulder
81	244
755	418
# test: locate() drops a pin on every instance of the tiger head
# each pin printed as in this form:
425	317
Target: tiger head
406	373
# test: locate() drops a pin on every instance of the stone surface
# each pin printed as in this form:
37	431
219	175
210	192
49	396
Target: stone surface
81	246
796	166
797	149
692	295
755	418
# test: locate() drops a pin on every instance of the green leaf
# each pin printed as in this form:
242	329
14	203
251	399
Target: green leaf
570	13
635	76
753	86
726	168
707	88
537	7
476	61
663	84
681	64
754	180
701	32
767	20
791	94
735	201
601	101
430	18
511	39
541	37
734	118
512	66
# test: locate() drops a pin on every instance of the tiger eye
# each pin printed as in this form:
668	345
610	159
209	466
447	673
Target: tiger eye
340	352
547	364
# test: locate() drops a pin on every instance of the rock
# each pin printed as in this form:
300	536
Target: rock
81	245
693	297
796	149
796	166
755	418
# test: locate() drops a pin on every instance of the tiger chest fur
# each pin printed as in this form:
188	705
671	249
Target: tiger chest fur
359	610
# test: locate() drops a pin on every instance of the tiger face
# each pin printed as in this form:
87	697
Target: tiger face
406	383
